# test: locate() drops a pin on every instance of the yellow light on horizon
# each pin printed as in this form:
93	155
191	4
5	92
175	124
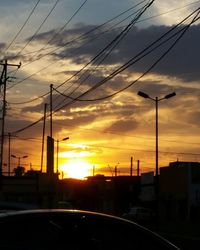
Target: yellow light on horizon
76	168
72	154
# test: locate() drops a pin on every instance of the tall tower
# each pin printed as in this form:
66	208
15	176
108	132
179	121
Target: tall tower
50	155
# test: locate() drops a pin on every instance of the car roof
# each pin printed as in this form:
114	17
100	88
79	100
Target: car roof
51	211
13	213
23	214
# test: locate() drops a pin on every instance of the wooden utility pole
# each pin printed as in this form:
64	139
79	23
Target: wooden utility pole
51	110
43	136
138	168
9	136
3	83
115	171
131	169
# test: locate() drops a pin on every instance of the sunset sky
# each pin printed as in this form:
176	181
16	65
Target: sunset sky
78	46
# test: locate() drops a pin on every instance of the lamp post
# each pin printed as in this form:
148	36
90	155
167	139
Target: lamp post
64	139
19	157
156	100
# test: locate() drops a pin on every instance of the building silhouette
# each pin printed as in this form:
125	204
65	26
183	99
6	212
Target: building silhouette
179	192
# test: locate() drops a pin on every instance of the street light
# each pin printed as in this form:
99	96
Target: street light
156	100
64	139
19	157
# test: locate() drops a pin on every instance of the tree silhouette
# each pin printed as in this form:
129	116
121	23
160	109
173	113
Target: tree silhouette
19	171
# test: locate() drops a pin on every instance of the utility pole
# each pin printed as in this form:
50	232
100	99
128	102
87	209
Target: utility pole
138	168
43	135
51	110
131	169
115	171
9	136
3	83
156	175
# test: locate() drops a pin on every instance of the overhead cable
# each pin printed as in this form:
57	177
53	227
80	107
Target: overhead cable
38	29
137	58
108	48
26	21
78	72
102	82
72	41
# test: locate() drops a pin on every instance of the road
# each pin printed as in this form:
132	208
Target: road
186	237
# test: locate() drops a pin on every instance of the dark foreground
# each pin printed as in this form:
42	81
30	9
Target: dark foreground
184	235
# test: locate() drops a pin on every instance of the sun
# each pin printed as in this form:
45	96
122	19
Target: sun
76	168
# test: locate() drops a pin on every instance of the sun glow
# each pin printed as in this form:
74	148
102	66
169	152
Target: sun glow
76	168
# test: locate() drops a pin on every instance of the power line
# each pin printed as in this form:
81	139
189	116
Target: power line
102	82
119	36
139	21
167	12
129	136
26	21
91	61
93	29
141	150
38	29
124	149
64	26
42	96
72	41
28	77
131	62
125	66
108	48
55	33
79	37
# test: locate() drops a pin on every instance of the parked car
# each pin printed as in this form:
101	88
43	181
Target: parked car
15	206
74	230
140	214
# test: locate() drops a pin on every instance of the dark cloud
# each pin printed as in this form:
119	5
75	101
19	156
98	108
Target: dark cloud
123	126
36	108
193	117
83	113
13	124
181	62
155	88
80	120
45	36
2	45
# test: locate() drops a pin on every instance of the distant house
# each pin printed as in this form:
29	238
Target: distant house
102	193
34	188
147	194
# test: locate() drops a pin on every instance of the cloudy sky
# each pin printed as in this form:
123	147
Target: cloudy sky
98	55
